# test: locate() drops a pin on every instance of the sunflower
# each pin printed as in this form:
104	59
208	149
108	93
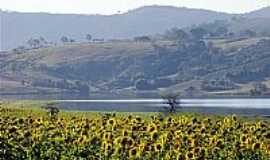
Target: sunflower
177	146
203	130
252	128
134	128
130	142
197	150
191	142
213	140
107	136
185	138
220	143
158	147
39	120
194	120
226	120
234	118
127	142
108	147
111	122
125	132
267	135
20	121
124	141
134	153
154	135
147	147
190	155
27	134
12	129
256	146
130	117
152	128
244	139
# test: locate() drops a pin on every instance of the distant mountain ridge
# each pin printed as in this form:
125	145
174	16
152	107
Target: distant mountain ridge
17	27
261	13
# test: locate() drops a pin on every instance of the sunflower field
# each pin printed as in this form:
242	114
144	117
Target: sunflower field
26	135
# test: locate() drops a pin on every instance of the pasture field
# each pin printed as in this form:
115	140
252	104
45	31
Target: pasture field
28	132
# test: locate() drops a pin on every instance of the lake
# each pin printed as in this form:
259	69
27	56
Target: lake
150	103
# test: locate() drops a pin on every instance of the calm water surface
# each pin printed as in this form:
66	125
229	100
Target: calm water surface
244	106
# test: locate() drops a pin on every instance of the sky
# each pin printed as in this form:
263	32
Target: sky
107	7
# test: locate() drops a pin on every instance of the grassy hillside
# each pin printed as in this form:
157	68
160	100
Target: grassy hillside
44	63
230	66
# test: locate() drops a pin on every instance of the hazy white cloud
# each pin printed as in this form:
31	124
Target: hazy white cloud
113	6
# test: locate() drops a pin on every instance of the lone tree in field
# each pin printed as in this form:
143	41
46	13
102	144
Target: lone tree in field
51	110
172	102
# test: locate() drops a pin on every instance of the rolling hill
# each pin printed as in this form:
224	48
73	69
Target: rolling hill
261	13
17	27
222	65
139	66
